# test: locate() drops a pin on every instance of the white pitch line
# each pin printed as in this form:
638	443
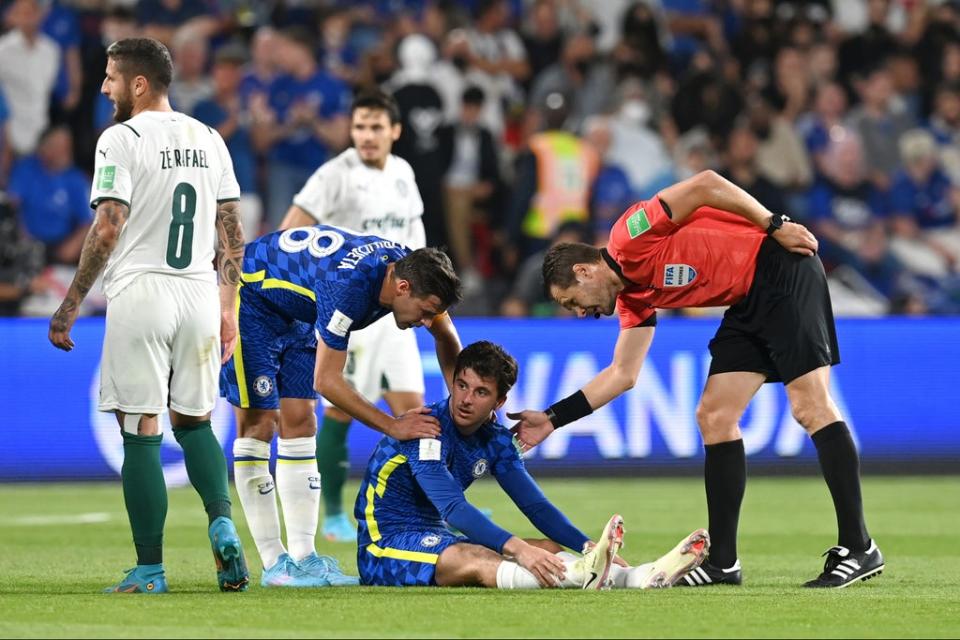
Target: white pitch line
78	518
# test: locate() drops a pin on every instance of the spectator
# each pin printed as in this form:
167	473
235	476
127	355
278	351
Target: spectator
226	111
944	125
425	140
635	146
4	149
52	196
338	56
527	298
847	215
829	112
590	84
261	71
496	51
472	186
705	97
60	23
21	259
781	156
161	19
28	74
757	41
544	39
640	52
862	51
305	122
554	179
612	191
740	166
924	206
190	81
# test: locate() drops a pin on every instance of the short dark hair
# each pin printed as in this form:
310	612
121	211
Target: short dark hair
559	260
430	273
373	98
473	95
489	361
143	57
300	36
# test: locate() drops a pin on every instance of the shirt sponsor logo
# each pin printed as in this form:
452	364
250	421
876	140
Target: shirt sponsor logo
678	275
106	177
480	467
430	449
638	224
339	324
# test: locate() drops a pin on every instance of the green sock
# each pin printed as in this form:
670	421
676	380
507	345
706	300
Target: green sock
206	467
332	463
145	495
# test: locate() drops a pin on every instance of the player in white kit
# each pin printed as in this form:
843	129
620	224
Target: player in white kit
166	209
365	189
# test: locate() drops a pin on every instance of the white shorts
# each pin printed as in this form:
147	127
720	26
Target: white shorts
162	347
381	358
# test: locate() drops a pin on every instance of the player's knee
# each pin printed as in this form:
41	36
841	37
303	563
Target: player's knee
258	425
715	420
813	412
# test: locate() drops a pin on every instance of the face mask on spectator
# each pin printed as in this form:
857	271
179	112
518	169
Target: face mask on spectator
636	112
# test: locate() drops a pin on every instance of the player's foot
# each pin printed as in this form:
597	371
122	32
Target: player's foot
339	529
328	569
678	562
287	573
143	578
707	575
232	572
597	561
844	567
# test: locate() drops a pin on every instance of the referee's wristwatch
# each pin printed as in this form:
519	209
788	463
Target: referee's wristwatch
776	222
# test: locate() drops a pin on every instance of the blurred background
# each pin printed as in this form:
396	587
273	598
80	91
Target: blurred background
843	114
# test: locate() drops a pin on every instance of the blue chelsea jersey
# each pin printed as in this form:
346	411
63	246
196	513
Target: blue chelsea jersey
391	499
324	276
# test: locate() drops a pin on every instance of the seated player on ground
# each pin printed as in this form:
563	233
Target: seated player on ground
411	488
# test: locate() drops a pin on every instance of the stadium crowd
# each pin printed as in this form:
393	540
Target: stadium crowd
526	122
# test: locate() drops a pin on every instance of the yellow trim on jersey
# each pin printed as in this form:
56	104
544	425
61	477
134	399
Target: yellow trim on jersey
373	492
277	283
400	554
238	364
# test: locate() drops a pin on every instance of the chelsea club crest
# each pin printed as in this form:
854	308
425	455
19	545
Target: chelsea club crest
262	386
479	467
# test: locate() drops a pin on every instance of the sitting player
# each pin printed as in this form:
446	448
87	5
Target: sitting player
411	488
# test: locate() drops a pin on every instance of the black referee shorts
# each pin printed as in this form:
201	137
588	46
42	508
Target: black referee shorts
784	327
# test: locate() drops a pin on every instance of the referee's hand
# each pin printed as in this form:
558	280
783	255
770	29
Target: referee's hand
532	429
796	238
414	424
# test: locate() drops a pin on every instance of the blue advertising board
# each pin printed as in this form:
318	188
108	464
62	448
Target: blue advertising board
897	387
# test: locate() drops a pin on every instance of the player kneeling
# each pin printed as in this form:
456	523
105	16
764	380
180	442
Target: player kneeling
411	489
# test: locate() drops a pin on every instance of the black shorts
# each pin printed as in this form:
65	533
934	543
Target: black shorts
784	327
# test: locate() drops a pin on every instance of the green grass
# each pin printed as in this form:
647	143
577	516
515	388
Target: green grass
51	572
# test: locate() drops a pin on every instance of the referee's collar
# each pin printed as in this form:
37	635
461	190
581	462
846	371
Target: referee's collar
615	267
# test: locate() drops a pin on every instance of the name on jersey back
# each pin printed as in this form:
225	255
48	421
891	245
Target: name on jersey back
186	157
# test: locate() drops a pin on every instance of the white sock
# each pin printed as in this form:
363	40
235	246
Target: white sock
251	474
511	575
298	484
633	577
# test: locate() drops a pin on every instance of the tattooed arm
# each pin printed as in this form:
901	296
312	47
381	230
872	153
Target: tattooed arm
229	257
101	239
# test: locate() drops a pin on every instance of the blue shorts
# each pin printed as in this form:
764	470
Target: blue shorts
407	559
275	357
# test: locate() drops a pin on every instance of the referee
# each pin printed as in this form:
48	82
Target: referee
705	242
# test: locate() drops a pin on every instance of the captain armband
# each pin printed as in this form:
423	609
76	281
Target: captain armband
568	410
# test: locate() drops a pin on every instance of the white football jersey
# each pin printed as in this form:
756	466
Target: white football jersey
172	171
346	193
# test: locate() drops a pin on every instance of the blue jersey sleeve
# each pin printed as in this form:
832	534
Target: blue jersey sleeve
342	305
426	458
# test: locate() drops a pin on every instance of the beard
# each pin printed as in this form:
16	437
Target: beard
122	109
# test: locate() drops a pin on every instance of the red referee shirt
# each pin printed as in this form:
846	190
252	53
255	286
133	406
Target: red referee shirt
706	261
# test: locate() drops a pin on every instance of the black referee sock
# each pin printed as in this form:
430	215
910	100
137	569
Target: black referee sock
841	469
725	477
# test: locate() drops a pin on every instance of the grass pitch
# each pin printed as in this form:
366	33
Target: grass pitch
61	544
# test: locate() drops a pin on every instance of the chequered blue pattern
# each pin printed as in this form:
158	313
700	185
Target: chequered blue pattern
391	572
404	506
348	280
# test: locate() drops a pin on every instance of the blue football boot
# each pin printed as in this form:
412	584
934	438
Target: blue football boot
287	573
143	578
329	569
232	574
338	529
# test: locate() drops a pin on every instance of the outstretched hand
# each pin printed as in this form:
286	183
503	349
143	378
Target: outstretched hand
532	429
796	238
